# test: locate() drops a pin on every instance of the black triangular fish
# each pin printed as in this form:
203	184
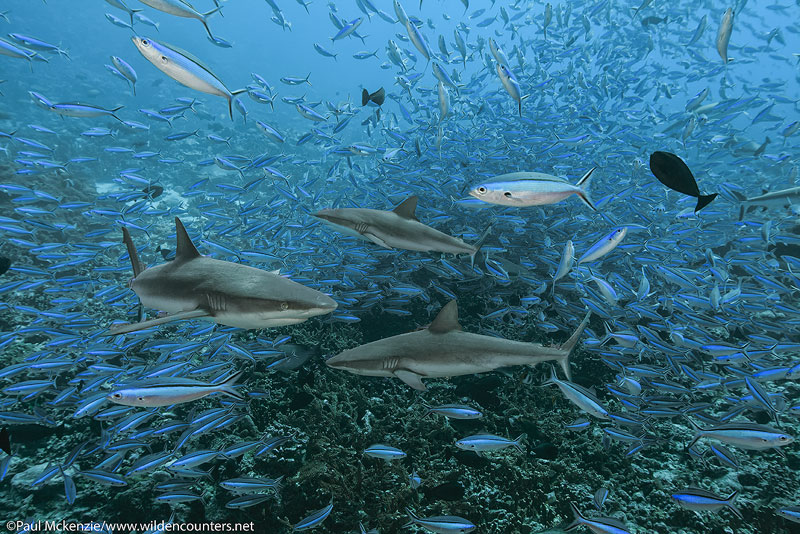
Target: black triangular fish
378	97
673	172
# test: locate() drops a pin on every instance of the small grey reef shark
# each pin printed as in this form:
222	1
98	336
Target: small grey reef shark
444	350
193	286
398	228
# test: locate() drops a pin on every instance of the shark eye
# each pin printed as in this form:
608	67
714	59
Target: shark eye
284	306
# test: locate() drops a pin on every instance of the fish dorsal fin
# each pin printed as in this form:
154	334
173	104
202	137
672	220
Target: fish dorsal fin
447	320
185	249
407	208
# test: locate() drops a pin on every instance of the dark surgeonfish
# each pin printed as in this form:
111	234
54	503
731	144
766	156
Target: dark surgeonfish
378	97
673	172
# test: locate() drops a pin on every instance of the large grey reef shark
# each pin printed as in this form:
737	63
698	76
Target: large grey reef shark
444	350
398	228
194	286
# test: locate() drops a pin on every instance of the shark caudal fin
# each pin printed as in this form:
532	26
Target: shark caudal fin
703	201
569	345
478	244
583	184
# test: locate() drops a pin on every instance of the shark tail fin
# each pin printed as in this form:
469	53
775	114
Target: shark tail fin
703	201
227	386
479	244
135	263
569	345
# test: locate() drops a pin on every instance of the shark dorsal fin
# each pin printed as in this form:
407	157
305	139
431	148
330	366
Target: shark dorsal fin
407	207
447	320
185	249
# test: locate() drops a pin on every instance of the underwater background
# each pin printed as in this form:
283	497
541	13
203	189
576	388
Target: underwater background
695	315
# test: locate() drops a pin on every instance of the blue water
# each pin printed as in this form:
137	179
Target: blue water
603	91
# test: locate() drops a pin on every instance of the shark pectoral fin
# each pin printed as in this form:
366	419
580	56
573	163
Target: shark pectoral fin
135	327
377	240
412	379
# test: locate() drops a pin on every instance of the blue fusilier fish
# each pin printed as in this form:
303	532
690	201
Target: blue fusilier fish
744	435
598	525
185	69
169	391
76	109
179	8
384	452
314	519
510	84
481	443
604	245
444	350
675	174
444	524
699	500
522	189
193	286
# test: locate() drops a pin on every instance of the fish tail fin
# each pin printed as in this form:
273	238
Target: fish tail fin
569	345
518	442
730	504
703	201
553	377
579	519
412	517
698	433
479	244
227	386
583	184
215	10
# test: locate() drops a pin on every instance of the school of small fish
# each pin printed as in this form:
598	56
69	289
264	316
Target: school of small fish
155	315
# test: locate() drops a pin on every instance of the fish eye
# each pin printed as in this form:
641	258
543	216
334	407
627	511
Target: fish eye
140	398
117	395
284	306
145	42
164	59
507	194
481	190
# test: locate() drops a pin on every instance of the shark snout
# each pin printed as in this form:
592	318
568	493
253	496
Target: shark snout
325	304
